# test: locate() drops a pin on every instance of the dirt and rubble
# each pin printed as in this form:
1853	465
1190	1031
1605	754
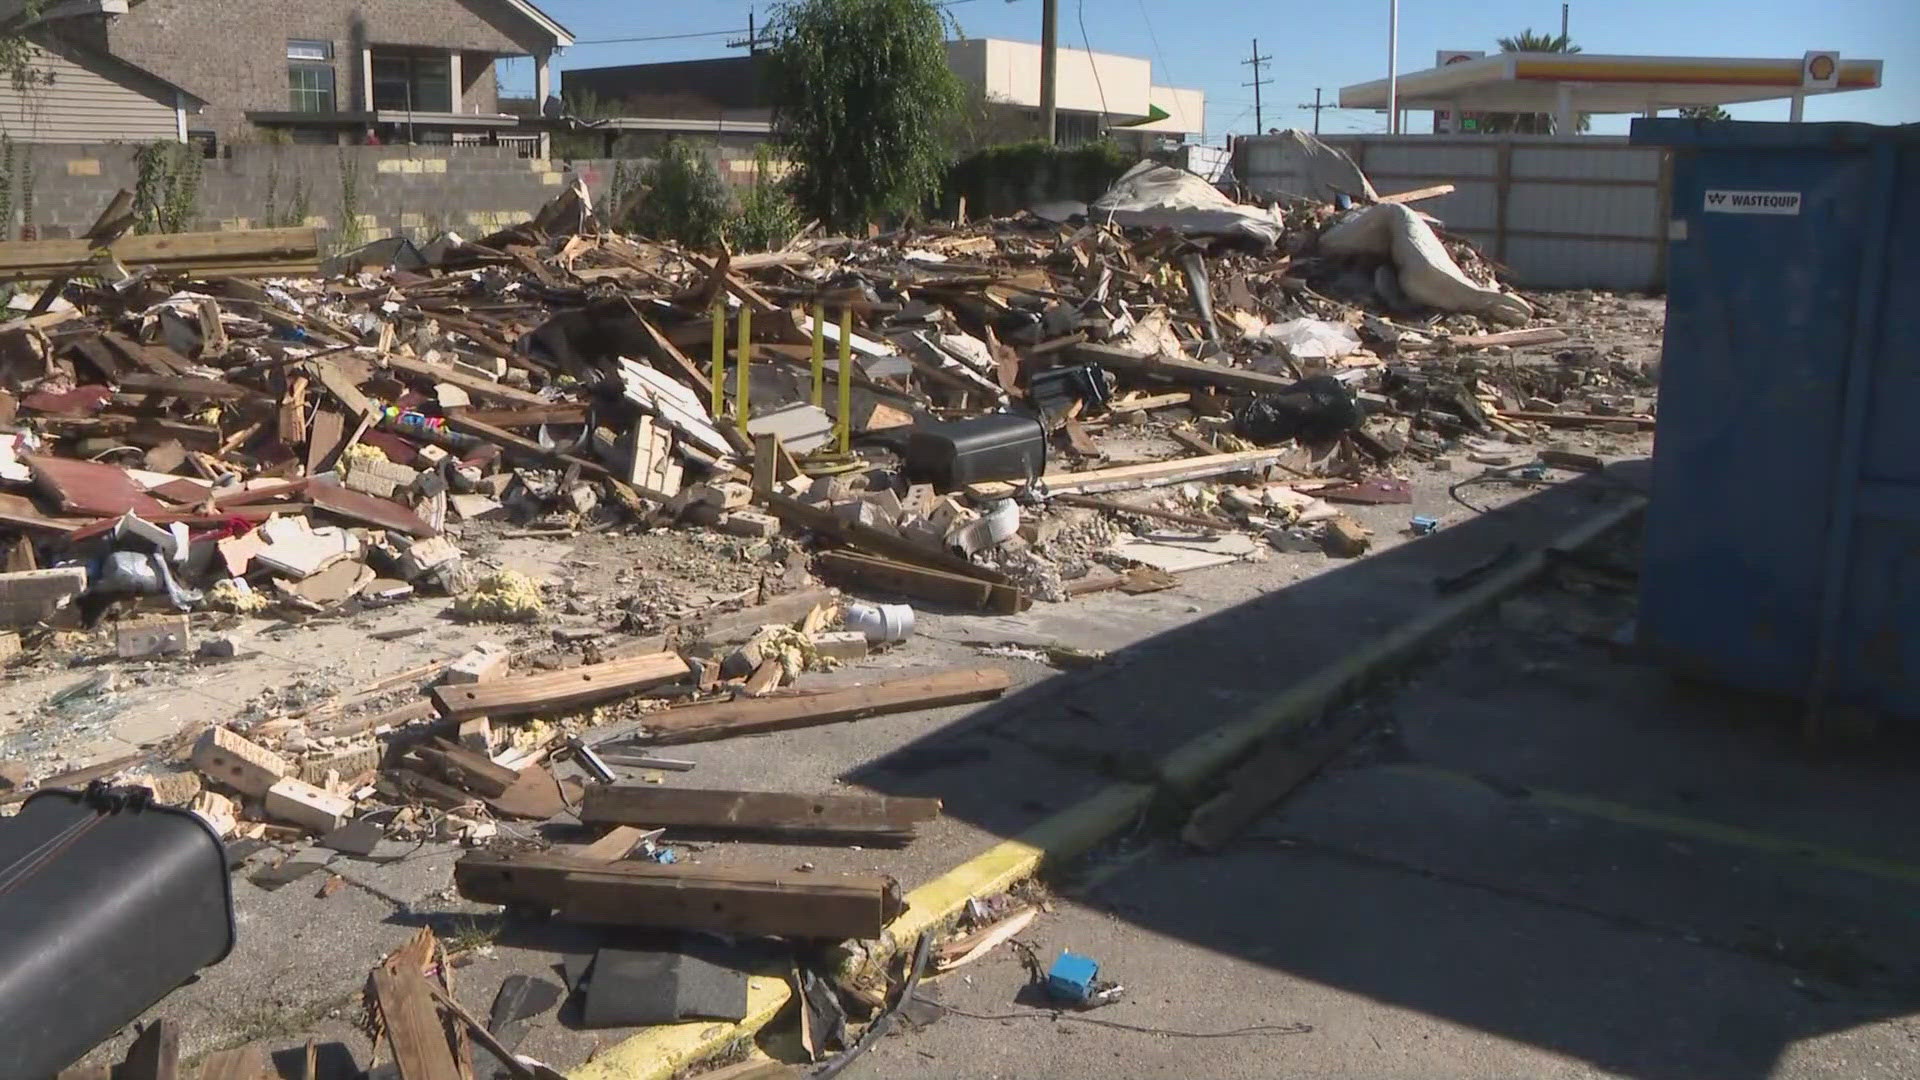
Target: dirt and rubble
617	497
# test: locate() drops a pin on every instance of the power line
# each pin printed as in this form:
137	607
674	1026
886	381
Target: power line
1258	120
1316	107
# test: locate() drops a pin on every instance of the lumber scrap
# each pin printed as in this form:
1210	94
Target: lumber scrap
294	251
1539	335
558	691
880	542
683	897
904	579
1183	371
480	387
748	716
1132	477
754	811
412	1023
1417	194
1577	419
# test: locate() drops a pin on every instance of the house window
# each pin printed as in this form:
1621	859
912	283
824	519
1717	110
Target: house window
409	83
310	76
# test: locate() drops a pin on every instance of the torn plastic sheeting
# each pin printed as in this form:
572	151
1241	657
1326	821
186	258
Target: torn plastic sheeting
1311	339
1295	163
1155	196
1427	272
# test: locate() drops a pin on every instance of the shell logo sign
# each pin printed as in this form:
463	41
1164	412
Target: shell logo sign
1820	71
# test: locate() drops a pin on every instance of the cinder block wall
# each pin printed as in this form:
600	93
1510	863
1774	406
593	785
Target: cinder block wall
417	191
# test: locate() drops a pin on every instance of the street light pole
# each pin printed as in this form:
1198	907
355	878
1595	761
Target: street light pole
1049	70
1393	67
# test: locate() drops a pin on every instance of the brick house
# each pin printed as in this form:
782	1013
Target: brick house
306	71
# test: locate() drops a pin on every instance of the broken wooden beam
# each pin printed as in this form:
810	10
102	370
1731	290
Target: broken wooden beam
683	897
755	811
1417	194
558	691
725	719
1133	477
1577	419
1183	371
922	583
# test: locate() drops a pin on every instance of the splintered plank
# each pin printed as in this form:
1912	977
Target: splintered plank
923	583
1184	371
89	487
413	1027
754	811
747	716
366	509
558	691
683	897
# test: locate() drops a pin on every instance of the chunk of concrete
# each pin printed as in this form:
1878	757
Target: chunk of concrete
291	799
232	759
485	662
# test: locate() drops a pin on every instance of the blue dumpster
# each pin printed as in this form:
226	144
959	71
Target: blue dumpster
1783	538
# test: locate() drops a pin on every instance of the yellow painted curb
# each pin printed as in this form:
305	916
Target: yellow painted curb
658	1053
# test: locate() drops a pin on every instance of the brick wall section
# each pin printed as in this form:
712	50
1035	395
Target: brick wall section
234	55
412	191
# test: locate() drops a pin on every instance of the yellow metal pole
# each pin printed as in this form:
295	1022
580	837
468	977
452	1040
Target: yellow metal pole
744	354
718	371
819	354
846	380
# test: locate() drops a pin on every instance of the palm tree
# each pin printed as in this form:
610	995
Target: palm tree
1705	112
1530	123
1528	41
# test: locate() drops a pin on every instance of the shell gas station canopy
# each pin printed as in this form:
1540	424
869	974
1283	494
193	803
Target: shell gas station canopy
1567	84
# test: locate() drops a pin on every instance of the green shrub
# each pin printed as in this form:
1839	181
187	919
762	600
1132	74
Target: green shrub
681	198
767	217
1006	179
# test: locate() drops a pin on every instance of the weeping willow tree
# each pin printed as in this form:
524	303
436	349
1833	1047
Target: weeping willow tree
864	105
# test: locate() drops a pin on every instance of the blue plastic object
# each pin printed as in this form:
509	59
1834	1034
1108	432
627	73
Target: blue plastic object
1071	977
1423	525
1783	539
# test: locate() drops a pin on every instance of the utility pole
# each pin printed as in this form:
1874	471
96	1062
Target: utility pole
1393	67
1050	70
1259	125
1316	107
1563	21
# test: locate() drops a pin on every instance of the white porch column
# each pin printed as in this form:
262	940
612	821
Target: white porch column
180	115
453	76
366	78
542	87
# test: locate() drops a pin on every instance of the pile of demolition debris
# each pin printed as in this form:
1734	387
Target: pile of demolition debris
942	414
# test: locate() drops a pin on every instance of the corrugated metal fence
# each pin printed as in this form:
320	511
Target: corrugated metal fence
1560	213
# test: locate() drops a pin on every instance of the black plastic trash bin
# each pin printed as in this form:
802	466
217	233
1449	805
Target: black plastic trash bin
107	902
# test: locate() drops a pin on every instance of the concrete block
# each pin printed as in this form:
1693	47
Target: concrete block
750	524
477	735
485	662
238	762
162	635
425	556
841	645
724	496
345	764
51	586
305	805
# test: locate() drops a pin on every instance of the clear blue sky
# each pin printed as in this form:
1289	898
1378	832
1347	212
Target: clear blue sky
1200	42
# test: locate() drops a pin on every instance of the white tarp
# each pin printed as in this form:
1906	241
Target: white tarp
1155	196
1293	162
1428	274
